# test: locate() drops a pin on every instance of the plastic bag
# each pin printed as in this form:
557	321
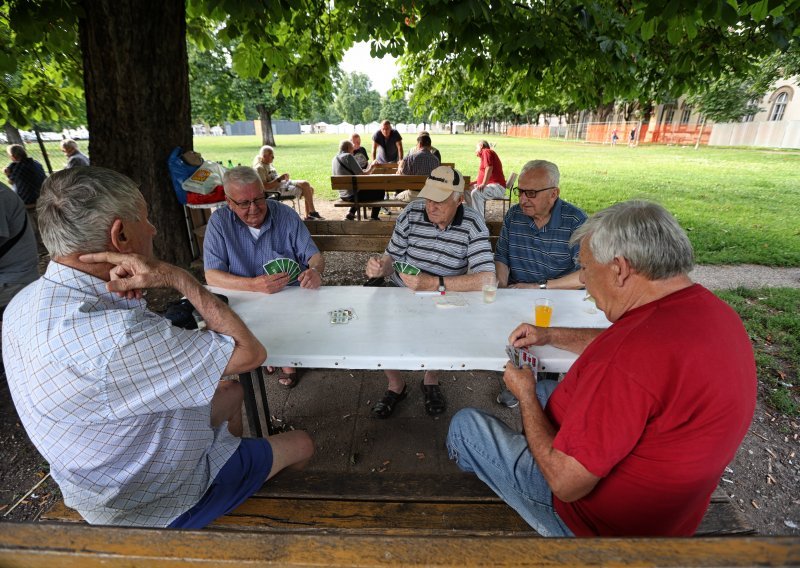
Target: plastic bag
205	178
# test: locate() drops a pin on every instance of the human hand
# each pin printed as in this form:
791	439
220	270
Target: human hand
270	283
526	334
132	273
285	177
376	266
521	382
310	279
420	282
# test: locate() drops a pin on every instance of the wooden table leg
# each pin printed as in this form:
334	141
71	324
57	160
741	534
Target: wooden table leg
262	386
250	406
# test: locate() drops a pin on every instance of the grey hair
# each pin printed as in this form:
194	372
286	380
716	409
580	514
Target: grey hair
257	159
644	233
69	144
77	207
345	145
553	175
240	175
17	151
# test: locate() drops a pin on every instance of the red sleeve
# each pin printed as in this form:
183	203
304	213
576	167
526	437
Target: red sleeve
603	419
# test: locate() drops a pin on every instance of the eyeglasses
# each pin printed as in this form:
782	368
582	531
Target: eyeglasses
532	193
258	201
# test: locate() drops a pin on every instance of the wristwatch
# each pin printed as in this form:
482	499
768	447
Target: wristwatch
441	285
543	285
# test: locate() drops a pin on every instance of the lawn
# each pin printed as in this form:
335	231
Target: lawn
738	205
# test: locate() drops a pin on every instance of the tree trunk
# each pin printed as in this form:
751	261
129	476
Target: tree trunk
136	79
265	115
12	134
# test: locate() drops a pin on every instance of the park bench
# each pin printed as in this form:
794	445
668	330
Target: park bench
367	519
346	236
389	183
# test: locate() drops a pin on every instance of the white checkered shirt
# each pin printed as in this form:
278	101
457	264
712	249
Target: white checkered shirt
115	398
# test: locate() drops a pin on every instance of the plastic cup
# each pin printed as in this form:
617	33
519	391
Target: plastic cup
542	312
489	289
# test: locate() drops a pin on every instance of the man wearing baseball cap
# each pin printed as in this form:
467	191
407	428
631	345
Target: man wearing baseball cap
449	243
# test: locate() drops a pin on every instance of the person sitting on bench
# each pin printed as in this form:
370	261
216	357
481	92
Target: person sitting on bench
633	441
344	164
128	410
449	244
281	184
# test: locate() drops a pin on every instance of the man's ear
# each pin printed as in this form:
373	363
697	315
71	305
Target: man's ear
621	269
119	241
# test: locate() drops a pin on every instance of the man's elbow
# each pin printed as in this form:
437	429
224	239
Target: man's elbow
571	491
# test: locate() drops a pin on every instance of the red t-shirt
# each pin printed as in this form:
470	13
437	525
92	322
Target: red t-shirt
656	406
488	158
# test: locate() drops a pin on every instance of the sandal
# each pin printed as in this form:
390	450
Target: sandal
434	399
385	406
290	377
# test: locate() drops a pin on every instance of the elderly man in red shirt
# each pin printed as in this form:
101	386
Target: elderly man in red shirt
490	182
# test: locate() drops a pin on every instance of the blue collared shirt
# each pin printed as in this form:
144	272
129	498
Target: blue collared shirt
229	245
533	254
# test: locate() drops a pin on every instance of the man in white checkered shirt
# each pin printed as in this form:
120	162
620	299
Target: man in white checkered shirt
130	411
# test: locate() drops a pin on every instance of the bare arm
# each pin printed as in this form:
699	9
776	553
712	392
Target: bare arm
502	274
463	283
399	150
379	266
566	476
312	277
133	273
265	283
374	150
569	282
571	339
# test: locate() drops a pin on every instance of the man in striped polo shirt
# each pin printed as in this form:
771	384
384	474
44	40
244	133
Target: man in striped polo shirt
449	243
534	249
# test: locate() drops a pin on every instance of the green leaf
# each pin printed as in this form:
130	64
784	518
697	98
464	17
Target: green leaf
648	29
759	10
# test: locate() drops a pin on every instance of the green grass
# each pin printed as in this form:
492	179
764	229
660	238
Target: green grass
772	319
738	205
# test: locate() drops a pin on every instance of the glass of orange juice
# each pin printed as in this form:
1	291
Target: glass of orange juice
543	311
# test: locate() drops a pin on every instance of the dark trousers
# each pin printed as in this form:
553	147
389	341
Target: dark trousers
367	196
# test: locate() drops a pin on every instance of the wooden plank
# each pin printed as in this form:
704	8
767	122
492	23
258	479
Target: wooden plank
28	545
376	517
330	243
344	228
452	487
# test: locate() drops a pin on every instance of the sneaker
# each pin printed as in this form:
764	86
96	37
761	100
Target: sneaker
386	211
315	215
350	217
507	399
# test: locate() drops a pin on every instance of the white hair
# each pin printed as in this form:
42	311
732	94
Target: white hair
77	207
644	233
265	148
553	175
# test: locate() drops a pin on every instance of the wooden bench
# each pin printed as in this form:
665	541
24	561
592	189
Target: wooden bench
388	183
369	519
346	236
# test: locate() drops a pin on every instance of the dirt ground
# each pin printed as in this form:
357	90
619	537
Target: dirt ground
763	479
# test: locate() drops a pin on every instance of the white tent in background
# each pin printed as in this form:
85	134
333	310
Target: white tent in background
320	128
343	128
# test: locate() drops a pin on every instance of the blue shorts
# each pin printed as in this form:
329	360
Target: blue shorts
241	476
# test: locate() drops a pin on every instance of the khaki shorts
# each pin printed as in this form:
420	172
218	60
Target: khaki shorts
288	188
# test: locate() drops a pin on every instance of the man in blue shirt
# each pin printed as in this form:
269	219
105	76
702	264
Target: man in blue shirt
251	232
533	250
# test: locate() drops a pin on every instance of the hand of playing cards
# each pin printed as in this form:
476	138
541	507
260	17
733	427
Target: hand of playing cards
520	357
281	265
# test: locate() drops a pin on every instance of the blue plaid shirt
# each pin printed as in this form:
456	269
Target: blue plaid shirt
229	245
533	254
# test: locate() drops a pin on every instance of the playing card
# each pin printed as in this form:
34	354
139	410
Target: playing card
273	267
521	357
405	268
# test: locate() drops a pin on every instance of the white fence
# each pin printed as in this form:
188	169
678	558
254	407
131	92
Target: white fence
775	134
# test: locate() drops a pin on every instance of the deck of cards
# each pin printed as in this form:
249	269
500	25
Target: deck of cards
286	265
405	268
521	357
